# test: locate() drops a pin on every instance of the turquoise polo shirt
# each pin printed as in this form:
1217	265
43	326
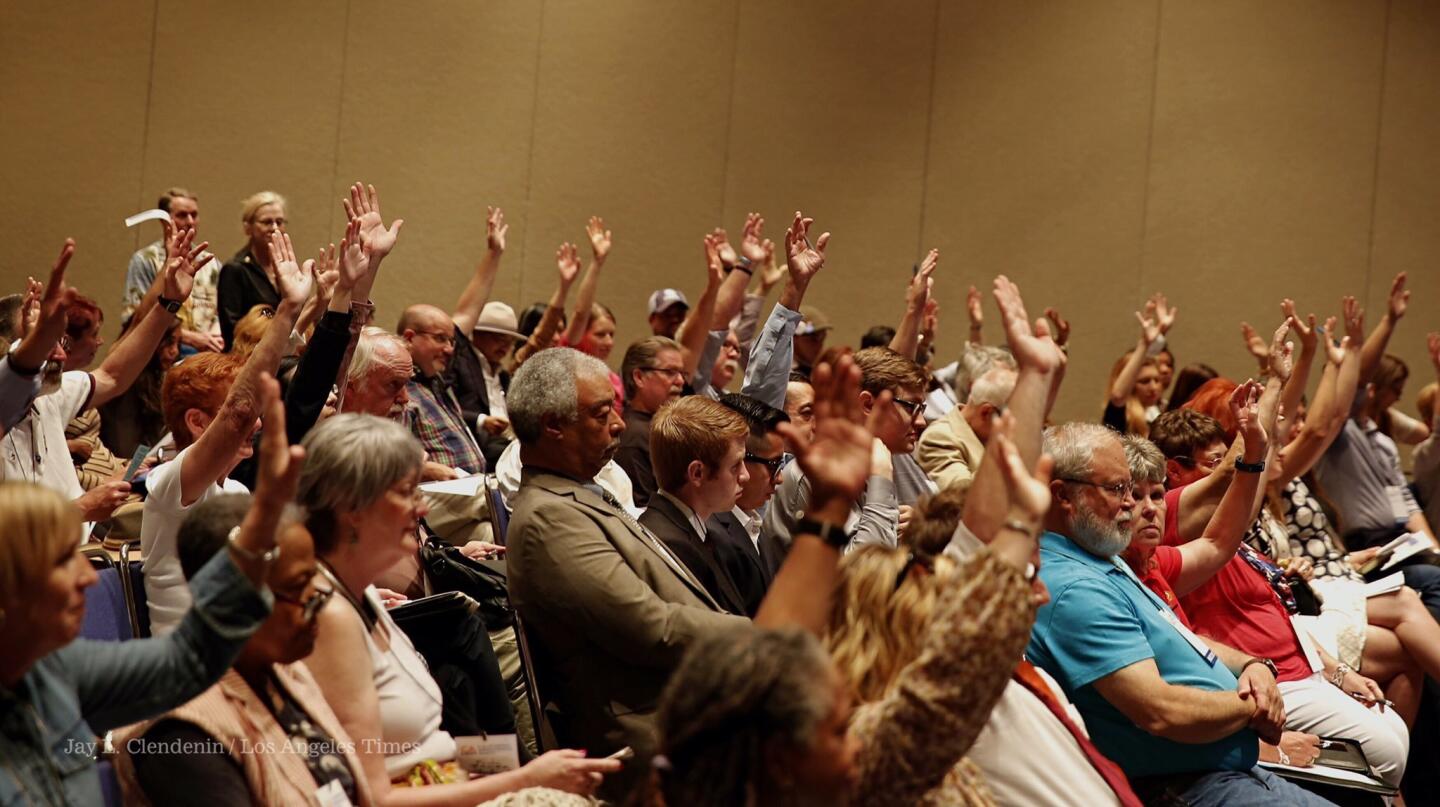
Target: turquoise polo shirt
1100	619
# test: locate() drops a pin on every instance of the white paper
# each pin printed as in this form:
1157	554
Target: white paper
153	214
485	755
1413	544
1322	773
465	486
332	795
1385	585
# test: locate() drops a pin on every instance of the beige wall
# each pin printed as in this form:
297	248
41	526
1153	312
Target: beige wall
1228	152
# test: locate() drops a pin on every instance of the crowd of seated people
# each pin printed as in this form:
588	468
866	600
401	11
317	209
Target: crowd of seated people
742	565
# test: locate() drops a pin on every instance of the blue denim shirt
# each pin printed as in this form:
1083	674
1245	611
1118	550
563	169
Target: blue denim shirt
48	723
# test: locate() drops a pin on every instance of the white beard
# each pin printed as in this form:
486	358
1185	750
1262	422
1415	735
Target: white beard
1100	538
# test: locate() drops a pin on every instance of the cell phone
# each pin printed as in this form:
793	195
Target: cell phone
140	454
625	753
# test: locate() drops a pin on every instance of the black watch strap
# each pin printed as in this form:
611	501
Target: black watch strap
832	534
168	304
1250	467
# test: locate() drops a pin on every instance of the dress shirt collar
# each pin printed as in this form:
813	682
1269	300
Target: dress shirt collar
751	523
695	523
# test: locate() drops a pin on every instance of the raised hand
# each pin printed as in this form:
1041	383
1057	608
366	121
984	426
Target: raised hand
496	228
1255	344
1309	340
802	259
50	306
770	272
714	264
354	260
975	308
1334	350
1354	320
325	267
722	246
1164	312
750	244
30	306
279	462
1029	493
1058	326
917	294
1245	408
1432	344
1149	324
1033	347
181	262
567	260
295	283
1399	299
1280	353
930	322
364	205
599	239
837	460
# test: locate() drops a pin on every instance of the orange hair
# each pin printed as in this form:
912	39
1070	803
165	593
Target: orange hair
1213	399
200	382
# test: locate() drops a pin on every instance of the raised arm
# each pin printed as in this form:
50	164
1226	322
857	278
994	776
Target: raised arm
694	330
1328	411
377	240
567	262
731	296
585	299
20	371
975	308
477	291
768	370
211	456
917	294
1149	333
1203	557
1300	372
1395	306
129	356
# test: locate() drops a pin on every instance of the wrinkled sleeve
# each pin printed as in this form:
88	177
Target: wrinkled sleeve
125	682
879	521
17	391
315	375
768	370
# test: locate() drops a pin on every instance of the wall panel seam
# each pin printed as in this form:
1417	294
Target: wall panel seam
929	132
530	157
340	118
1379	131
1150	146
730	117
145	131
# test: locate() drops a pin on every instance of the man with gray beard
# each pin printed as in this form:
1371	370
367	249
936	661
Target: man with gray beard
1182	715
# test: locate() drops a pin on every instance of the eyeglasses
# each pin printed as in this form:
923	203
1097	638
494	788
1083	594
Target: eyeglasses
667	372
308	607
771	465
912	408
1209	463
441	338
1120	490
923	561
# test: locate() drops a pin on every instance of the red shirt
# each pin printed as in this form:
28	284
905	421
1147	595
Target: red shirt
1165	566
1238	607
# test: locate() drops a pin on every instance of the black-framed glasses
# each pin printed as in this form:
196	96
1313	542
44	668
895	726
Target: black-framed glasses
912	408
915	559
310	606
666	371
1120	490
771	465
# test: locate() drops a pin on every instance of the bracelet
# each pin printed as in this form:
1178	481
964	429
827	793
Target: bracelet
267	557
1264	662
1019	526
1338	677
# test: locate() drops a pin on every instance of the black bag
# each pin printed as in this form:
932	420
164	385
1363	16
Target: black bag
447	569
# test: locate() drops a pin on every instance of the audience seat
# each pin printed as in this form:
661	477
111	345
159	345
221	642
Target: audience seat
133	576
109	784
107	611
499	512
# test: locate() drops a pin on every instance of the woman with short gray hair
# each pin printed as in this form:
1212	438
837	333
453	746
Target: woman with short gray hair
361	485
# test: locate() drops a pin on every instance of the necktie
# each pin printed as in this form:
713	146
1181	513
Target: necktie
1027	676
655	543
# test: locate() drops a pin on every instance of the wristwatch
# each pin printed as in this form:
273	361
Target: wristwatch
1250	467
168	304
1266	663
832	534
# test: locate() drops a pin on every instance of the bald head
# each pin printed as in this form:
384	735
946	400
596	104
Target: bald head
430	336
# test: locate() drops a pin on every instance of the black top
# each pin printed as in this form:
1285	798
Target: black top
168	777
242	286
670	525
751	570
633	457
466	378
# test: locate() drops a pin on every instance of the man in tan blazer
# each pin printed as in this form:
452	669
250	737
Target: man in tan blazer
951	448
607	608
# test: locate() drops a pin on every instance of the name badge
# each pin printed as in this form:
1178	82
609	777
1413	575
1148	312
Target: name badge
332	795
1399	508
488	754
1185	633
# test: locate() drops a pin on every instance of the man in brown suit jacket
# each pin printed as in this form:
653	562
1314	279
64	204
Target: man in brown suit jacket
607	607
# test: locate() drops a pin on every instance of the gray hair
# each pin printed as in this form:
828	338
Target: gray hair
994	387
1073	444
545	385
1147	464
350	461
976	361
369	352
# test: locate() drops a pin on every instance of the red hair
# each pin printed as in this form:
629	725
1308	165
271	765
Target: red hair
200	382
1213	399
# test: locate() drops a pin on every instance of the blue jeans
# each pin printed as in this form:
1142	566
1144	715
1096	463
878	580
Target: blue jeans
1256	787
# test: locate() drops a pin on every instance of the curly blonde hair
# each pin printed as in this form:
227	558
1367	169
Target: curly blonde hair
877	628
